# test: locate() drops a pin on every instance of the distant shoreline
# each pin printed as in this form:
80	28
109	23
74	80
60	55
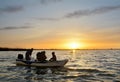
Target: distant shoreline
24	49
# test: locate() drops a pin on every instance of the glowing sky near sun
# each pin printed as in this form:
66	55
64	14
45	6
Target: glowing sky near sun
60	23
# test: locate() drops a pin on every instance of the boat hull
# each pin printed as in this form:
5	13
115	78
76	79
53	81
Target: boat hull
59	63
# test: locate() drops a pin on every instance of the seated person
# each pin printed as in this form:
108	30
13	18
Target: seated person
20	57
53	57
41	57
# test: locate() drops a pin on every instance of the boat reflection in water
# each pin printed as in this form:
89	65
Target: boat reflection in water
38	73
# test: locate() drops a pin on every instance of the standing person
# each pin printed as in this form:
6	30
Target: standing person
28	54
53	57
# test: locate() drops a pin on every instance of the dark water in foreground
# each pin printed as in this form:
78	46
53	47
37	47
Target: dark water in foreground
83	66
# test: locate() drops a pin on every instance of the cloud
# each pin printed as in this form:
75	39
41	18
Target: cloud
13	28
49	1
11	9
88	12
82	13
48	19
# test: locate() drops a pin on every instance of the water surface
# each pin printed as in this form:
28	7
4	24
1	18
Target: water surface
83	66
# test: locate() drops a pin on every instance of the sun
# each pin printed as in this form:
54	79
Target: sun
73	45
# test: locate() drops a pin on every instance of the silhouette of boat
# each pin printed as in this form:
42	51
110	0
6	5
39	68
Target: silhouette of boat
58	63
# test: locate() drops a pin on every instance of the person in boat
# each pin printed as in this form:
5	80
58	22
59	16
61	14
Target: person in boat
28	54
20	57
53	57
41	57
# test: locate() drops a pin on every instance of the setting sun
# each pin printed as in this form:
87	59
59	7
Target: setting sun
73	45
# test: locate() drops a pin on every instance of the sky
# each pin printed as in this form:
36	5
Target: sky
57	24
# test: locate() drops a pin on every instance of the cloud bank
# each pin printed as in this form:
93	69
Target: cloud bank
11	9
82	13
13	28
88	12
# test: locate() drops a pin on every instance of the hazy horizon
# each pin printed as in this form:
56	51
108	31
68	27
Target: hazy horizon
62	48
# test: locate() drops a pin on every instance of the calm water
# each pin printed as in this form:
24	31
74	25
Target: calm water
83	66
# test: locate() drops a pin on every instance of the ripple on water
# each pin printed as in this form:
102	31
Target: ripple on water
107	74
87	70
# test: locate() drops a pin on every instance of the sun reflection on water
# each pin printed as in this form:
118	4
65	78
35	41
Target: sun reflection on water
73	54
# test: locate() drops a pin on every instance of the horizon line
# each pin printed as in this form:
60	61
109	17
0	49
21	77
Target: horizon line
63	48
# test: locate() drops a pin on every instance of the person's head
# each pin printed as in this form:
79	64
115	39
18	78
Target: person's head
31	49
43	52
53	53
38	53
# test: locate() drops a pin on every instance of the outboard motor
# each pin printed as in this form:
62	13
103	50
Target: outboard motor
20	56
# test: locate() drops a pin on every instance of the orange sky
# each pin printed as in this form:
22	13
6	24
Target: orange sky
60	24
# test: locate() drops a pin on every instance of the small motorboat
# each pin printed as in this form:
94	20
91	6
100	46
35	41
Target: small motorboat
58	63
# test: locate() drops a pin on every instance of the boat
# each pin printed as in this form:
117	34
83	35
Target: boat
58	63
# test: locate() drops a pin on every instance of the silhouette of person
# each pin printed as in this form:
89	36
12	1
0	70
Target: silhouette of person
53	57
28	54
41	57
